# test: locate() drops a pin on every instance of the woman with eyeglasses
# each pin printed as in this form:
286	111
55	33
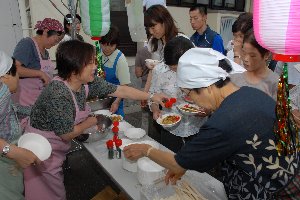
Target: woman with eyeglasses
12	158
60	114
239	133
33	61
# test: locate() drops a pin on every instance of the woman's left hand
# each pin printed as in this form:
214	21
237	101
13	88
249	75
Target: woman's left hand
136	151
160	98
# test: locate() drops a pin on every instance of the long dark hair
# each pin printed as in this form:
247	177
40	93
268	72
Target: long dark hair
159	14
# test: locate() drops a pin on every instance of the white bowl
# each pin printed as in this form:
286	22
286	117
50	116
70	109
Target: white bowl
149	171
196	109
115	115
135	133
36	143
103	112
160	119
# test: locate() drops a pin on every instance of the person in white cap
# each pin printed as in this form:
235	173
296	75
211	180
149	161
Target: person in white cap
239	134
12	158
175	137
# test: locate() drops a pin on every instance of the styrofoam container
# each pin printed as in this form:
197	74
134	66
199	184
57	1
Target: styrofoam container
149	171
131	165
206	185
36	143
135	133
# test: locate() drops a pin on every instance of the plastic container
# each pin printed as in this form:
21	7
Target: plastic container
149	171
207	186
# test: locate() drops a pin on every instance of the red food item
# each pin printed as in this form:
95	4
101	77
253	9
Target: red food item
116	123
115	129
118	142
168	104
109	144
115	137
173	100
177	118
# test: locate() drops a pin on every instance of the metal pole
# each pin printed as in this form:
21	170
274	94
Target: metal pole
73	14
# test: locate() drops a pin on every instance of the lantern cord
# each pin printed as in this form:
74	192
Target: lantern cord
285	129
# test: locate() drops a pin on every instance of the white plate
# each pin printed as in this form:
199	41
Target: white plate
36	143
188	112
134	133
159	120
103	112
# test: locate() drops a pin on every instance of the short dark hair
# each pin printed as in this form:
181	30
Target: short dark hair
201	8
175	48
13	70
66	22
250	38
159	14
49	33
243	23
112	37
72	57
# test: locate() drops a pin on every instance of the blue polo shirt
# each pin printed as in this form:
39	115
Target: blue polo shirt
209	39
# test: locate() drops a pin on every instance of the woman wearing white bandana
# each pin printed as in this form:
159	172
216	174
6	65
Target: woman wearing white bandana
12	158
239	133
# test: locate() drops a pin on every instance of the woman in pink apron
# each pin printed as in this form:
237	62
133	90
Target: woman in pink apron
61	114
33	62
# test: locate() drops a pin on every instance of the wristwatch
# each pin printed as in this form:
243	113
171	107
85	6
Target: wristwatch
5	150
150	98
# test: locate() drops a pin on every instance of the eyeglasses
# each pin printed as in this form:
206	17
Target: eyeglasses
186	91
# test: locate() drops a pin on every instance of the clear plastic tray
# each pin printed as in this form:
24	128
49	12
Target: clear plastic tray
207	186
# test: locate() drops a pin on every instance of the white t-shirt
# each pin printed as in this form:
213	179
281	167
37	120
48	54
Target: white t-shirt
149	3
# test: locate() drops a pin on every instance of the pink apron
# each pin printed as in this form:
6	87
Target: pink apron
45	181
29	89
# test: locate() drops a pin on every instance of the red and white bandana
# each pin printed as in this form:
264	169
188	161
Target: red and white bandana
50	24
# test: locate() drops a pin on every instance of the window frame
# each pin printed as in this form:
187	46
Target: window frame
210	5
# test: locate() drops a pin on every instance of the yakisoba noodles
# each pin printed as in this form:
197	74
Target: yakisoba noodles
171	119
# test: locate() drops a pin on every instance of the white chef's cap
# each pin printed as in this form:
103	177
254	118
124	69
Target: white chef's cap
199	67
5	63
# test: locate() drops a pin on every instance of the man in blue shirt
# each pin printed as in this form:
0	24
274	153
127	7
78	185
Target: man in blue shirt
204	36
